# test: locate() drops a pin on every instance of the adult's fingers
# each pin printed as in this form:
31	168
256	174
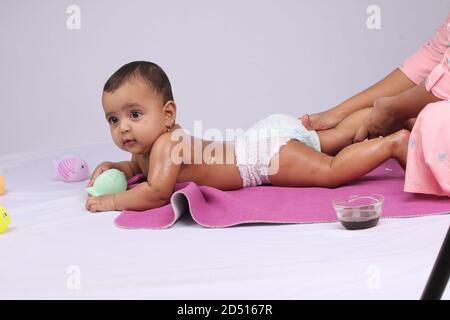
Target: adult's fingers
361	133
374	134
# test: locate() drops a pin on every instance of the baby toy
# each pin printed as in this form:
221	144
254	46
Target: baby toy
71	169
2	185
110	181
4	219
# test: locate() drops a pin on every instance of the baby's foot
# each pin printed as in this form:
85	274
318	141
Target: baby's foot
305	121
322	120
400	146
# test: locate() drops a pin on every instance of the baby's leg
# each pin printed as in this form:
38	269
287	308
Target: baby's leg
334	140
302	166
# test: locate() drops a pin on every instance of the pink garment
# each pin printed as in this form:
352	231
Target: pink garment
432	63
428	165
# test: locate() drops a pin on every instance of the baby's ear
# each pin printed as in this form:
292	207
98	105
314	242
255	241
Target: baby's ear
170	109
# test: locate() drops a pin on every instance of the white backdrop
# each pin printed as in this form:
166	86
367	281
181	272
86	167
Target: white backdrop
230	62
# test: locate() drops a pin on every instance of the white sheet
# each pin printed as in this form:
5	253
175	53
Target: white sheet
56	249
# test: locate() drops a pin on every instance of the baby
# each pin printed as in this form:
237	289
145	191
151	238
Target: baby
278	150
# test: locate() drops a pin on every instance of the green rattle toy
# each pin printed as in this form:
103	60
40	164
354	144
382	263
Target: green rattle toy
110	181
4	219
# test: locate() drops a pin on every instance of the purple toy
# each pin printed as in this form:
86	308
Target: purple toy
71	169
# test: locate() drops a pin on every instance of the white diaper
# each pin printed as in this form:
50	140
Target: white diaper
256	147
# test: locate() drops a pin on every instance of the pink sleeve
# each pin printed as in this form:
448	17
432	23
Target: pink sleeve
418	66
438	81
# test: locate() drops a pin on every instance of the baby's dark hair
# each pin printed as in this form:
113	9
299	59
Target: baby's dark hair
153	74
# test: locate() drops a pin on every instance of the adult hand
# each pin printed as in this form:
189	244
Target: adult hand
381	121
322	120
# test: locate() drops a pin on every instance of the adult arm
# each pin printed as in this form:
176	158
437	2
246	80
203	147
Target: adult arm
390	113
413	72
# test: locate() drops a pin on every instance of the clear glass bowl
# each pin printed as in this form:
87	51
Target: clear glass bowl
359	211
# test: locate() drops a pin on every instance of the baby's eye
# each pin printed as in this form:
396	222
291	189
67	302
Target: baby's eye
113	120
135	114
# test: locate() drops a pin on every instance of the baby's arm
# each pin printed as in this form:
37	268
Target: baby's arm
129	168
161	179
390	114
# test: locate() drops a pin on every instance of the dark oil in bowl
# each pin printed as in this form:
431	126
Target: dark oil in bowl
358	225
362	218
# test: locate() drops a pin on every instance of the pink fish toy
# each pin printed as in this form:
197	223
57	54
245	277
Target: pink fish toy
71	169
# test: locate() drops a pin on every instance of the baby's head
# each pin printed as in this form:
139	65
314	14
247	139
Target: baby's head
139	106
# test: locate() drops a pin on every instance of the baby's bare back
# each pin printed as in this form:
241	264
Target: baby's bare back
205	162
214	165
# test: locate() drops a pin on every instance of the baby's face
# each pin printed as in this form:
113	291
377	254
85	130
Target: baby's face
136	115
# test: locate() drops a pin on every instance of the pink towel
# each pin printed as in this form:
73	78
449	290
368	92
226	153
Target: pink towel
211	207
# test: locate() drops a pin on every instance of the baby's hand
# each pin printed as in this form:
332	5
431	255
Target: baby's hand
101	203
102	167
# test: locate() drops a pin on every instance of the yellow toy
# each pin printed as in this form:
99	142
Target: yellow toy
4	219
2	185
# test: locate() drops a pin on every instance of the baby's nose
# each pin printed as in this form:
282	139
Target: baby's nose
124	126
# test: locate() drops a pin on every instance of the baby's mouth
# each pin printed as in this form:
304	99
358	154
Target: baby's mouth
129	143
